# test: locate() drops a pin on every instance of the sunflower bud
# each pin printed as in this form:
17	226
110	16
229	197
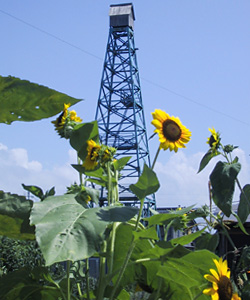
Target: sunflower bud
66	122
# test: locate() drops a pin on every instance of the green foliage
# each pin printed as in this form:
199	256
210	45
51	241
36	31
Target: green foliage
165	219
38	192
146	185
130	253
180	270
222	180
244	205
14	216
22	100
81	134
26	284
207	241
78	233
16	254
206	159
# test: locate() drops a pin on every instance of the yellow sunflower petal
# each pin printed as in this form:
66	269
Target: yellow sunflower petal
156	123
210	278
235	297
208	291
215	274
160	115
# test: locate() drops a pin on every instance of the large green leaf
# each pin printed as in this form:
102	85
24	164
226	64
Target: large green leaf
22	100
123	239
206	159
181	270
165	218
244	205
187	238
223	181
207	241
81	134
65	230
147	183
14	216
184	277
26	284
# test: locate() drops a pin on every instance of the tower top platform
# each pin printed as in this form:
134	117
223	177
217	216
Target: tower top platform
122	15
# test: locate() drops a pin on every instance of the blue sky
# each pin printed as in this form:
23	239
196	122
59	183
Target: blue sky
193	61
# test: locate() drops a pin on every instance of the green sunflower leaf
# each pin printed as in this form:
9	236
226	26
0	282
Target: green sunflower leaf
65	230
14	217
207	241
123	238
182	271
180	283
147	183
206	159
81	134
165	218
26	284
244	205
223	182
121	163
22	100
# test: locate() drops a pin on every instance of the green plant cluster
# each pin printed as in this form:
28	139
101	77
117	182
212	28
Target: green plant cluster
133	258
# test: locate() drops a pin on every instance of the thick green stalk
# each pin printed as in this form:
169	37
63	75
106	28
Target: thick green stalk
131	248
87	278
116	190
139	214
112	247
109	187
68	280
123	268
102	275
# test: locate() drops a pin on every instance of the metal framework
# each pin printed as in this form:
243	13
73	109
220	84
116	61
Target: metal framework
120	114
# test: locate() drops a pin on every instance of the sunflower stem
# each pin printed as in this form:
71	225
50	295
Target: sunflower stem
87	278
156	155
130	250
109	183
80	173
68	280
112	247
102	278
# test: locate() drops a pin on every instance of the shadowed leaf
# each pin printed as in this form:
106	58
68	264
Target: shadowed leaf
244	205
14	216
223	181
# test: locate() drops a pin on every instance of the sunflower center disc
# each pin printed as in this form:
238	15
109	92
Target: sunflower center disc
171	130
225	290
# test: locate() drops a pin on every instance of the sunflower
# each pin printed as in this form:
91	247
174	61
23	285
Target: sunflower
73	116
222	288
91	160
172	134
66	122
214	140
60	121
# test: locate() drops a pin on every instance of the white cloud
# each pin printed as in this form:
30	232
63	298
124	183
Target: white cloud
16	168
181	185
19	157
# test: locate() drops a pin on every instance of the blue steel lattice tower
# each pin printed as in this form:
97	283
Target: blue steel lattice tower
119	111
